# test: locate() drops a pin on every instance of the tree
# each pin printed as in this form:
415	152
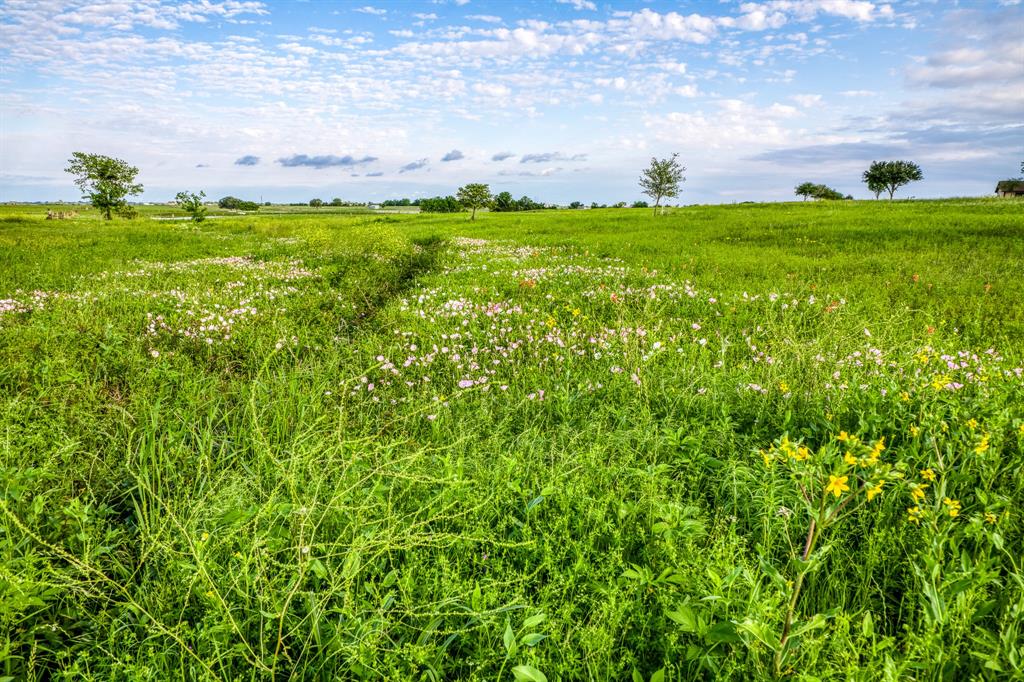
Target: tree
473	196
504	202
316	203
192	203
576	204
891	175
105	182
805	189
825	192
525	203
639	204
336	201
448	204
661	179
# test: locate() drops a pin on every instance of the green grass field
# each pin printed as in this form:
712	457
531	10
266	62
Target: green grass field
740	442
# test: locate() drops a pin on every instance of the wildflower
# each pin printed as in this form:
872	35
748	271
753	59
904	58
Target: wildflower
990	518
802	453
982	447
915	431
767	457
952	506
972	424
155	353
914	514
940	382
850	459
876	450
875	490
784	387
843	437
904	396
917	492
1021	430
837	485
928	474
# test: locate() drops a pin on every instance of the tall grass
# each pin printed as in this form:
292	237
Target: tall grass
563	445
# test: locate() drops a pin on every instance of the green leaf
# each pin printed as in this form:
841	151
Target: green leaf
527	673
637	677
318	569
685	618
867	627
658	676
509	639
723	631
532	639
534	621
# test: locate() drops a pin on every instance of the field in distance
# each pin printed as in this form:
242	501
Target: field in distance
733	442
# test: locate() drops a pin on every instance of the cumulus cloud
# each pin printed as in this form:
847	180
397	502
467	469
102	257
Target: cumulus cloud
247	160
579	4
453	155
486	18
367	9
324	161
501	156
415	165
548	157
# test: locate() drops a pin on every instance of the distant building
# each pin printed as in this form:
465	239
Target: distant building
1010	188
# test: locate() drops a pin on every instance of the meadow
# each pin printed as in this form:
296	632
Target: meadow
779	441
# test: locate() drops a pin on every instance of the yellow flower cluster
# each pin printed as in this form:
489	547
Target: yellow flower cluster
952	506
982	447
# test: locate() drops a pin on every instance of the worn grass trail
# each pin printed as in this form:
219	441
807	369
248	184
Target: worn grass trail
572	445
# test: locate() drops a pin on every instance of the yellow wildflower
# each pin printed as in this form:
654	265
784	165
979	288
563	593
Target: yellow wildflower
915	431
850	459
917	492
767	456
784	387
990	518
939	382
982	447
928	474
972	424
837	485
914	514
843	437
875	490
802	453
952	506
1021	430
904	396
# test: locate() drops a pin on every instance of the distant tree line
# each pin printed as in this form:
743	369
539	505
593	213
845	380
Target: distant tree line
236	204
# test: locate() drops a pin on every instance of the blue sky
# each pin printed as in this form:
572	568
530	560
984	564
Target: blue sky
561	100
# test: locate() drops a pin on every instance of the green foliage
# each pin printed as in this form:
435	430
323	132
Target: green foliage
662	179
316	203
192	204
448	204
473	196
889	176
639	204
105	182
236	204
407	447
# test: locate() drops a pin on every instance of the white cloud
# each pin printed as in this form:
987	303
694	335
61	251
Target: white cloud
579	4
807	101
368	9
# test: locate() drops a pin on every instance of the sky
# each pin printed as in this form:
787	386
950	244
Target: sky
560	100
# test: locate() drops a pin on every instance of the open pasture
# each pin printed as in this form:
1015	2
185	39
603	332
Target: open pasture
735	442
